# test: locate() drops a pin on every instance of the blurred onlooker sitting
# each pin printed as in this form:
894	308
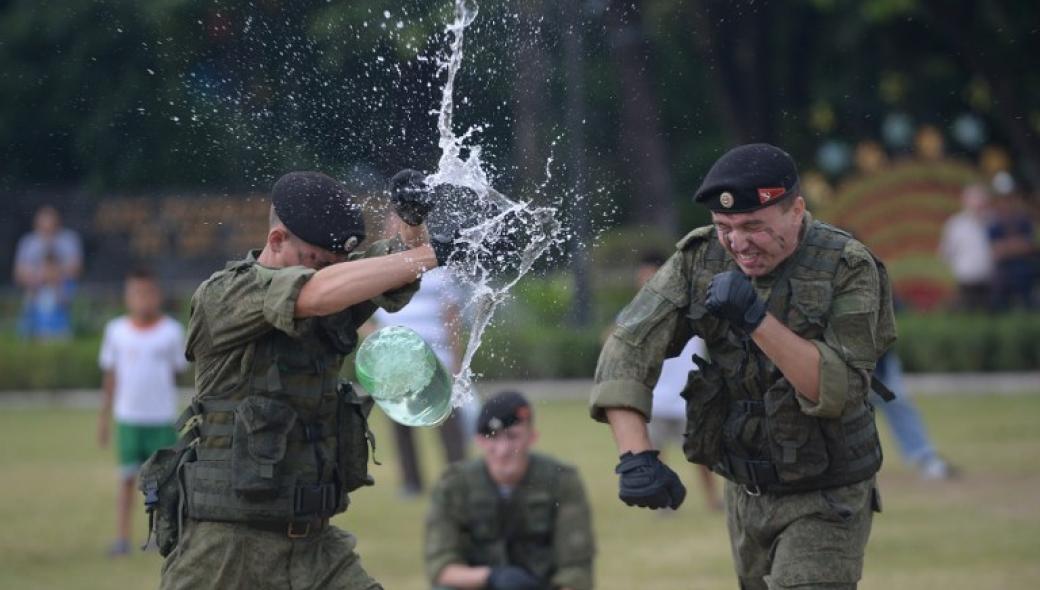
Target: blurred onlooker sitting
1011	237
47	263
966	249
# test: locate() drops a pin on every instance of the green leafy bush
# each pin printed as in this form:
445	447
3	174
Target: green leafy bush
49	365
958	343
534	342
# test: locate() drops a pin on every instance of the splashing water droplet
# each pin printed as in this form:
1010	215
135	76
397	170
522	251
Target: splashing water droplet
500	217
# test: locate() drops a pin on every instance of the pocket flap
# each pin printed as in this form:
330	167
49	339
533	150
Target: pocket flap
267	423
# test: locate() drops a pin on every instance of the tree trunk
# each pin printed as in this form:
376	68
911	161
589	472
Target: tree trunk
644	152
574	121
954	20
530	106
734	39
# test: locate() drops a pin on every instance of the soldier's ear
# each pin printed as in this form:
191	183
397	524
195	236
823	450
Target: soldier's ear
276	239
799	205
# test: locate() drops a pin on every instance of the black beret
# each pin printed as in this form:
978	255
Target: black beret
501	411
748	178
318	210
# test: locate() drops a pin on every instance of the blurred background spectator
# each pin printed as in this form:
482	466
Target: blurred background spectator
48	261
904	419
1013	242
966	249
434	314
668	412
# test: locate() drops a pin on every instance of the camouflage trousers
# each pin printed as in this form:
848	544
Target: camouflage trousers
220	555
807	540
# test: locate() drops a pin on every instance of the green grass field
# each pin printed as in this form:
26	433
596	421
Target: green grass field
980	531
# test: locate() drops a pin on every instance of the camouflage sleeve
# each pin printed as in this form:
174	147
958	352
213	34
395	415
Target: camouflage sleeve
398	298
443	545
234	308
849	348
573	541
649	329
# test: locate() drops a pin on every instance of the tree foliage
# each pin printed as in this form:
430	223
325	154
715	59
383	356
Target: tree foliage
119	95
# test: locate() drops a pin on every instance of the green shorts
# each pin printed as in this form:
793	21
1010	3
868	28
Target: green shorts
135	443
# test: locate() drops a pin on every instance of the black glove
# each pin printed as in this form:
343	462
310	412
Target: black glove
731	297
496	254
411	197
446	247
647	482
511	577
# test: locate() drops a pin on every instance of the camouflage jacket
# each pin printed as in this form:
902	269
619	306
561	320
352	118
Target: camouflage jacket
830	291
544	525
231	310
275	435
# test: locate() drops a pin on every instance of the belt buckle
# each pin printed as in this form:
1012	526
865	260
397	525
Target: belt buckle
293	534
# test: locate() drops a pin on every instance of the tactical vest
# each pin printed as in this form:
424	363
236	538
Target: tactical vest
743	418
285	445
512	532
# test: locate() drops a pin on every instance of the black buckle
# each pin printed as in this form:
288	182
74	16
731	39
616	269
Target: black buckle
292	533
315	500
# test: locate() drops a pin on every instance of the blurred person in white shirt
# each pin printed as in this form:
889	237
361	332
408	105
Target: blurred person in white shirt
668	424
141	354
435	314
965	246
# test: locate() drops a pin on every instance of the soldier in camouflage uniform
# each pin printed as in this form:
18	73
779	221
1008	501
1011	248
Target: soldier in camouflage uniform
272	442
512	519
795	313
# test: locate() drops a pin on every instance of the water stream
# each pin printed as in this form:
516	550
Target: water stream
484	214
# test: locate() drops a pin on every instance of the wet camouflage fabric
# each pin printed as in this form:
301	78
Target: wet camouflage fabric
547	517
219	556
847	318
233	311
813	539
664	315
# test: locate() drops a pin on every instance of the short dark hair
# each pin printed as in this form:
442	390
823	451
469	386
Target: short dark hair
786	204
141	274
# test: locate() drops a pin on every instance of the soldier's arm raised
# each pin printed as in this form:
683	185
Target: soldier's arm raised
338	286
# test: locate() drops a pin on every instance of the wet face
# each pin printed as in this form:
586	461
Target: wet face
142	298
760	240
290	250
507	452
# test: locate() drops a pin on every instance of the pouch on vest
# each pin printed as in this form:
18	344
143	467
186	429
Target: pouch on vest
810	304
796	440
158	481
261	436
353	438
705	413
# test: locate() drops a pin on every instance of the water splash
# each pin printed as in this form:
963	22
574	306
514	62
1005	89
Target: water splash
485	214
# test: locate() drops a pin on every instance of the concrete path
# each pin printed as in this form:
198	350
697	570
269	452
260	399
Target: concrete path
918	384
